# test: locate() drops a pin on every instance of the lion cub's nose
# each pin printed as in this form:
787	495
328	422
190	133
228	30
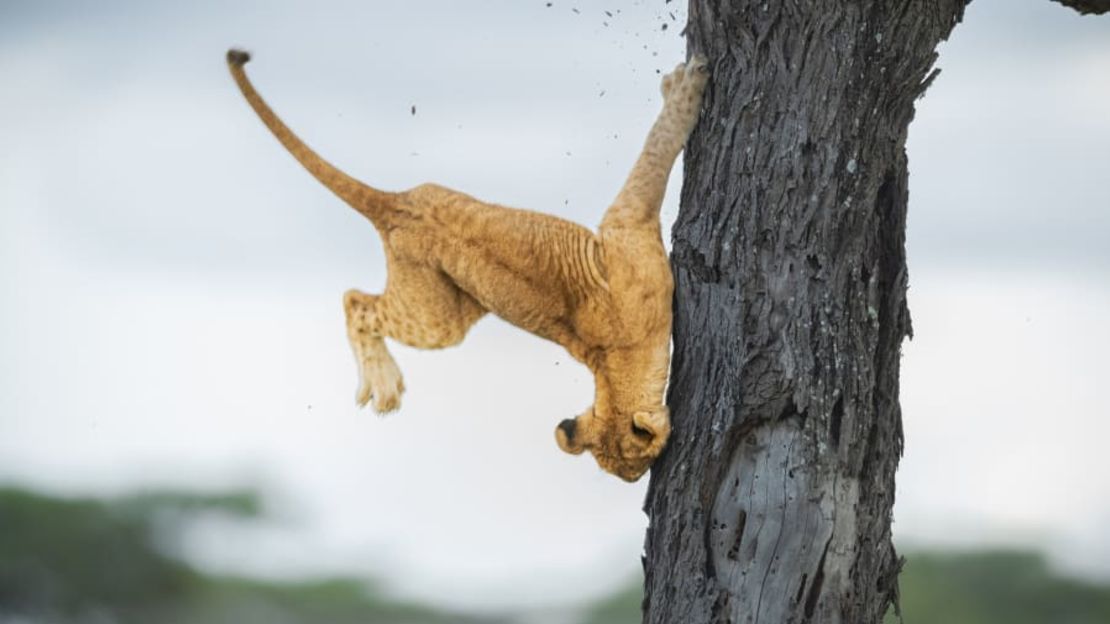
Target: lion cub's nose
568	427
566	434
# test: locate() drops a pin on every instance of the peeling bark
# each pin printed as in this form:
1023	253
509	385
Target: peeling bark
772	502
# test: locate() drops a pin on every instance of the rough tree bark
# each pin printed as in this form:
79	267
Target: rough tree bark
1084	7
772	502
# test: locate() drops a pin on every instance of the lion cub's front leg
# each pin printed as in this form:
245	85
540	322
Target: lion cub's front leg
628	425
638	203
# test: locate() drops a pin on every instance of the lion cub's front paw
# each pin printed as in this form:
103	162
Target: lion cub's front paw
686	83
382	382
682	91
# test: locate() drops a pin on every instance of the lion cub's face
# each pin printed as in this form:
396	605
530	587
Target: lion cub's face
623	444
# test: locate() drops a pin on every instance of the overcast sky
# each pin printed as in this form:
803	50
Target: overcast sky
171	279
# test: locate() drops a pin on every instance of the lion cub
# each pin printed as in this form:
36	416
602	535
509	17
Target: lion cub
605	297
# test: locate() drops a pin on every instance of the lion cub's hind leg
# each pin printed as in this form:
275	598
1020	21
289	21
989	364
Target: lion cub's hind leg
379	377
421	308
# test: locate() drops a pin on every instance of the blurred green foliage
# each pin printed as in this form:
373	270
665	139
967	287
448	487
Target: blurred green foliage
71	561
622	607
85	561
995	587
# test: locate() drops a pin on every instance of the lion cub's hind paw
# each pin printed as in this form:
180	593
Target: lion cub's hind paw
382	384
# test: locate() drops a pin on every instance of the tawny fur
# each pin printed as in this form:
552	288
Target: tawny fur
605	297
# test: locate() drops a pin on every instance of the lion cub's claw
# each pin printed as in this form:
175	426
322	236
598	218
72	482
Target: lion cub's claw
698	65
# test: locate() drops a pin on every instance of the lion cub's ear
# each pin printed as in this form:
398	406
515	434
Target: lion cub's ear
654	427
566	437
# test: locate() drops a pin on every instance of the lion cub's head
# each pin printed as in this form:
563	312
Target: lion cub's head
623	444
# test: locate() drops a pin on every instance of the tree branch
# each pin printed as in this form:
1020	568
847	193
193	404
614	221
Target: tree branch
1096	7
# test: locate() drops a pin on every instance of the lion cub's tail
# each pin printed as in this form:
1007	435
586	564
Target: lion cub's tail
369	201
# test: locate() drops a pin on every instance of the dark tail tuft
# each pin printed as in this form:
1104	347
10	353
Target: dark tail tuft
238	57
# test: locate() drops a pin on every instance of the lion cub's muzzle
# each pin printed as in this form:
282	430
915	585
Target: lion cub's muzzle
623	446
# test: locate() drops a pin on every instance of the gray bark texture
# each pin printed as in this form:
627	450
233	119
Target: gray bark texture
1085	7
772	503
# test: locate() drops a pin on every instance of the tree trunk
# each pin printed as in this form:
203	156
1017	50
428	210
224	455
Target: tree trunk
772	502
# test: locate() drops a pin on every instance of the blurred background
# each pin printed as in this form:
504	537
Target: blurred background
178	435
